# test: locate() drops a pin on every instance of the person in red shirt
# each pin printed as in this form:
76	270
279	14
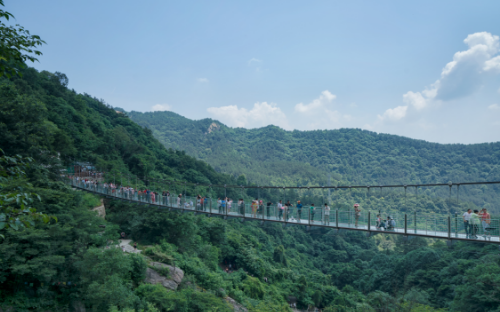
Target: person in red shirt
485	220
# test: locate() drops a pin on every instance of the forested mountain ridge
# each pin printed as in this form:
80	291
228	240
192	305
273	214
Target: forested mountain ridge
271	155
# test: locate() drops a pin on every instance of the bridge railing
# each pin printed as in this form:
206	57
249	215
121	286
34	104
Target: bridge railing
409	224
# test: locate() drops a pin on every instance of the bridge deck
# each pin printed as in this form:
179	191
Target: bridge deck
433	226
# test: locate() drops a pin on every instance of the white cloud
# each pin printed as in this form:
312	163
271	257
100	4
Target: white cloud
492	64
256	64
325	98
494	107
161	107
262	114
464	75
415	99
203	80
254	61
459	78
394	114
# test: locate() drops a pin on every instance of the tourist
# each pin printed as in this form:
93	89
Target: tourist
379	222
179	200
280	210
311	212
288	207
381	225
485	221
223	204
357	214
268	209
198	202
466	216
474	223
241	205
326	214
299	210
391	224
254	207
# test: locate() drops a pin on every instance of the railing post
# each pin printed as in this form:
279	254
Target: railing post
415	221
369	221
406	224
449	227
337	218
225	199
456	225
210	200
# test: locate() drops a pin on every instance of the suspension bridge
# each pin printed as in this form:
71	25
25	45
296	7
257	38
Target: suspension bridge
410	225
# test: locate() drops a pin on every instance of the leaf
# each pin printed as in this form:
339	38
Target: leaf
14	226
2	225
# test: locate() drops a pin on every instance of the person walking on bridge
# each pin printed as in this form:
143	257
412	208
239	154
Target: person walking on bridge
474	222
485	221
466	216
326	214
299	210
179	200
255	203
288	208
268	209
312	210
280	210
357	214
153	197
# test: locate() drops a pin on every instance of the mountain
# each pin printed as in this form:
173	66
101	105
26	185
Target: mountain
271	155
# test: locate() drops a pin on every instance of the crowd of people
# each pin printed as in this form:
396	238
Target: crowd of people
475	222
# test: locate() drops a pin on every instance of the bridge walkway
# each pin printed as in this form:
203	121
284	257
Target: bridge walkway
409	225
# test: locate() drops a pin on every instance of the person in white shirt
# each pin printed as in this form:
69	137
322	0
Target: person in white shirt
280	210
466	216
327	214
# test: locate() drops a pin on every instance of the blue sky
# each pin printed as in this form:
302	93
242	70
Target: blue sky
423	69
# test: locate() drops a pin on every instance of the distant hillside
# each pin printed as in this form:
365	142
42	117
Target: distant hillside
271	155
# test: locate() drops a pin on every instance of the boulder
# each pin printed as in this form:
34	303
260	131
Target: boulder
236	306
175	275
101	210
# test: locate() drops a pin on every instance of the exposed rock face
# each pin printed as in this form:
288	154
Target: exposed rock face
213	127
101	211
154	277
236	306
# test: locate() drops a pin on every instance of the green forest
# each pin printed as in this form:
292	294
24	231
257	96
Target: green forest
273	156
58	254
